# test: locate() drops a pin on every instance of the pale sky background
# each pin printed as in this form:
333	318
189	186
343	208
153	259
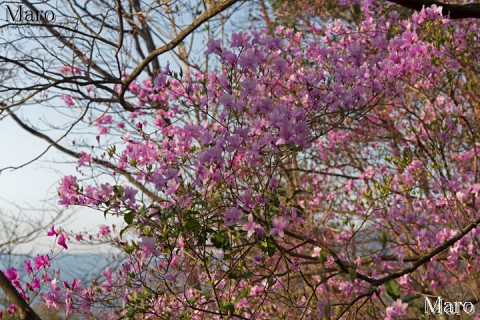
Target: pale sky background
35	185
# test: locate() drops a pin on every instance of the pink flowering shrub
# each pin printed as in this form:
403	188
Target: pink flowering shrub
328	172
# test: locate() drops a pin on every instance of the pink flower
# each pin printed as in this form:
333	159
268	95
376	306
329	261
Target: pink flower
11	309
103	124
149	245
129	196
12	275
35	284
52	232
240	39
316	252
28	266
69	70
172	186
349	185
52	298
69	100
397	309
232	216
85	159
250	226
41	262
68	303
68	191
279	223
62	241
475	188
249	59
214	46
104	230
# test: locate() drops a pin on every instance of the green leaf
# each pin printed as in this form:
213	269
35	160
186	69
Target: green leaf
245	275
271	281
111	151
393	289
243	294
193	225
352	273
118	190
129	249
229	307
411	297
220	241
300	209
299	192
383	239
129	217
189	214
322	258
123	230
268	246
281	191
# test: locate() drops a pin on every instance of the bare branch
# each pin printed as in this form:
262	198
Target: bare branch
210	13
103	163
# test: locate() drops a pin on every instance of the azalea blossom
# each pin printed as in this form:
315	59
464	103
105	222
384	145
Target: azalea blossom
279	224
397	309
52	232
250	226
232	216
62	241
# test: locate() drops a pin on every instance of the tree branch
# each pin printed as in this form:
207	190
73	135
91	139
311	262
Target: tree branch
210	13
104	163
25	312
345	265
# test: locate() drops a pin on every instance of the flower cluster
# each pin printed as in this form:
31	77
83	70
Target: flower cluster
306	175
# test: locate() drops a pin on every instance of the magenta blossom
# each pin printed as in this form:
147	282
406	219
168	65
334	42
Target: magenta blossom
28	266
232	216
62	241
104	230
52	232
250	226
35	284
149	246
279	223
11	309
41	262
397	309
85	159
12	275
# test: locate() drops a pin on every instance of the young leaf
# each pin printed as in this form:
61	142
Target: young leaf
129	217
393	289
